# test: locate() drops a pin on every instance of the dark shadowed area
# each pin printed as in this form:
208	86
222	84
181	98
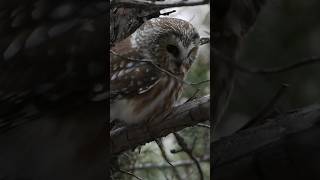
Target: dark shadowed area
286	32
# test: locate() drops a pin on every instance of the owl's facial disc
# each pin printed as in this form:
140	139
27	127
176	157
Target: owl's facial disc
180	57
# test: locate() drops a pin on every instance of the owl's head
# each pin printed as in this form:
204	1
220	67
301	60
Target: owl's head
170	43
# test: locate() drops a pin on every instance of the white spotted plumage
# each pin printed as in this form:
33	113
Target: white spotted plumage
141	87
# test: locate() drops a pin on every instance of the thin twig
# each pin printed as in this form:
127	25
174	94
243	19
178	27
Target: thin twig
166	158
130	174
152	63
168	13
285	68
193	95
180	163
182	116
266	110
203	125
160	69
185	149
201	82
161	5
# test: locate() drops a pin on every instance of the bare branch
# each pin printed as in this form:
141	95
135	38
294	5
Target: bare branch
166	158
153	64
281	69
168	13
156	4
251	140
185	115
130	174
169	73
180	163
189	152
264	112
204	125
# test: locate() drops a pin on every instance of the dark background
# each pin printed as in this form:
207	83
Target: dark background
285	32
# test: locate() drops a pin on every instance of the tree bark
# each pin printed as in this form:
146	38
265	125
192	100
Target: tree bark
186	115
285	147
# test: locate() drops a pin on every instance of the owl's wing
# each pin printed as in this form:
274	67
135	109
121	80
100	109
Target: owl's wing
129	77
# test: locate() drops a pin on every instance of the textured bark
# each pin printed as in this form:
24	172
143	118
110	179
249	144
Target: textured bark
186	115
157	3
285	147
126	15
124	21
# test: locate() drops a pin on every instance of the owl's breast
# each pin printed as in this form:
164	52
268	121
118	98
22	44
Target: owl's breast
144	107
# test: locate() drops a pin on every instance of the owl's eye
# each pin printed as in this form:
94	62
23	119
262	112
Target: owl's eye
173	50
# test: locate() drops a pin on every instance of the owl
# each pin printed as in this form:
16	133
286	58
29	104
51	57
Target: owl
148	68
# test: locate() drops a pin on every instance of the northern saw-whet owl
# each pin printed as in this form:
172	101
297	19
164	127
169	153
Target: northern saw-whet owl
147	69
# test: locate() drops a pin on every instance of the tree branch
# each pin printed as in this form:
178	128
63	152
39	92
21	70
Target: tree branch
249	141
287	146
185	115
263	71
161	4
266	109
188	151
166	158
179	163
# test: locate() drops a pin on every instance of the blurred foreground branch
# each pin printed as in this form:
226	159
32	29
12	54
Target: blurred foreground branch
185	115
263	71
232	20
285	146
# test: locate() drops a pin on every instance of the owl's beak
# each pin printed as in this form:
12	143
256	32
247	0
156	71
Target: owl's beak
181	66
178	62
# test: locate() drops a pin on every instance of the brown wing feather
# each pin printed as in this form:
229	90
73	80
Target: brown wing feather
128	76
